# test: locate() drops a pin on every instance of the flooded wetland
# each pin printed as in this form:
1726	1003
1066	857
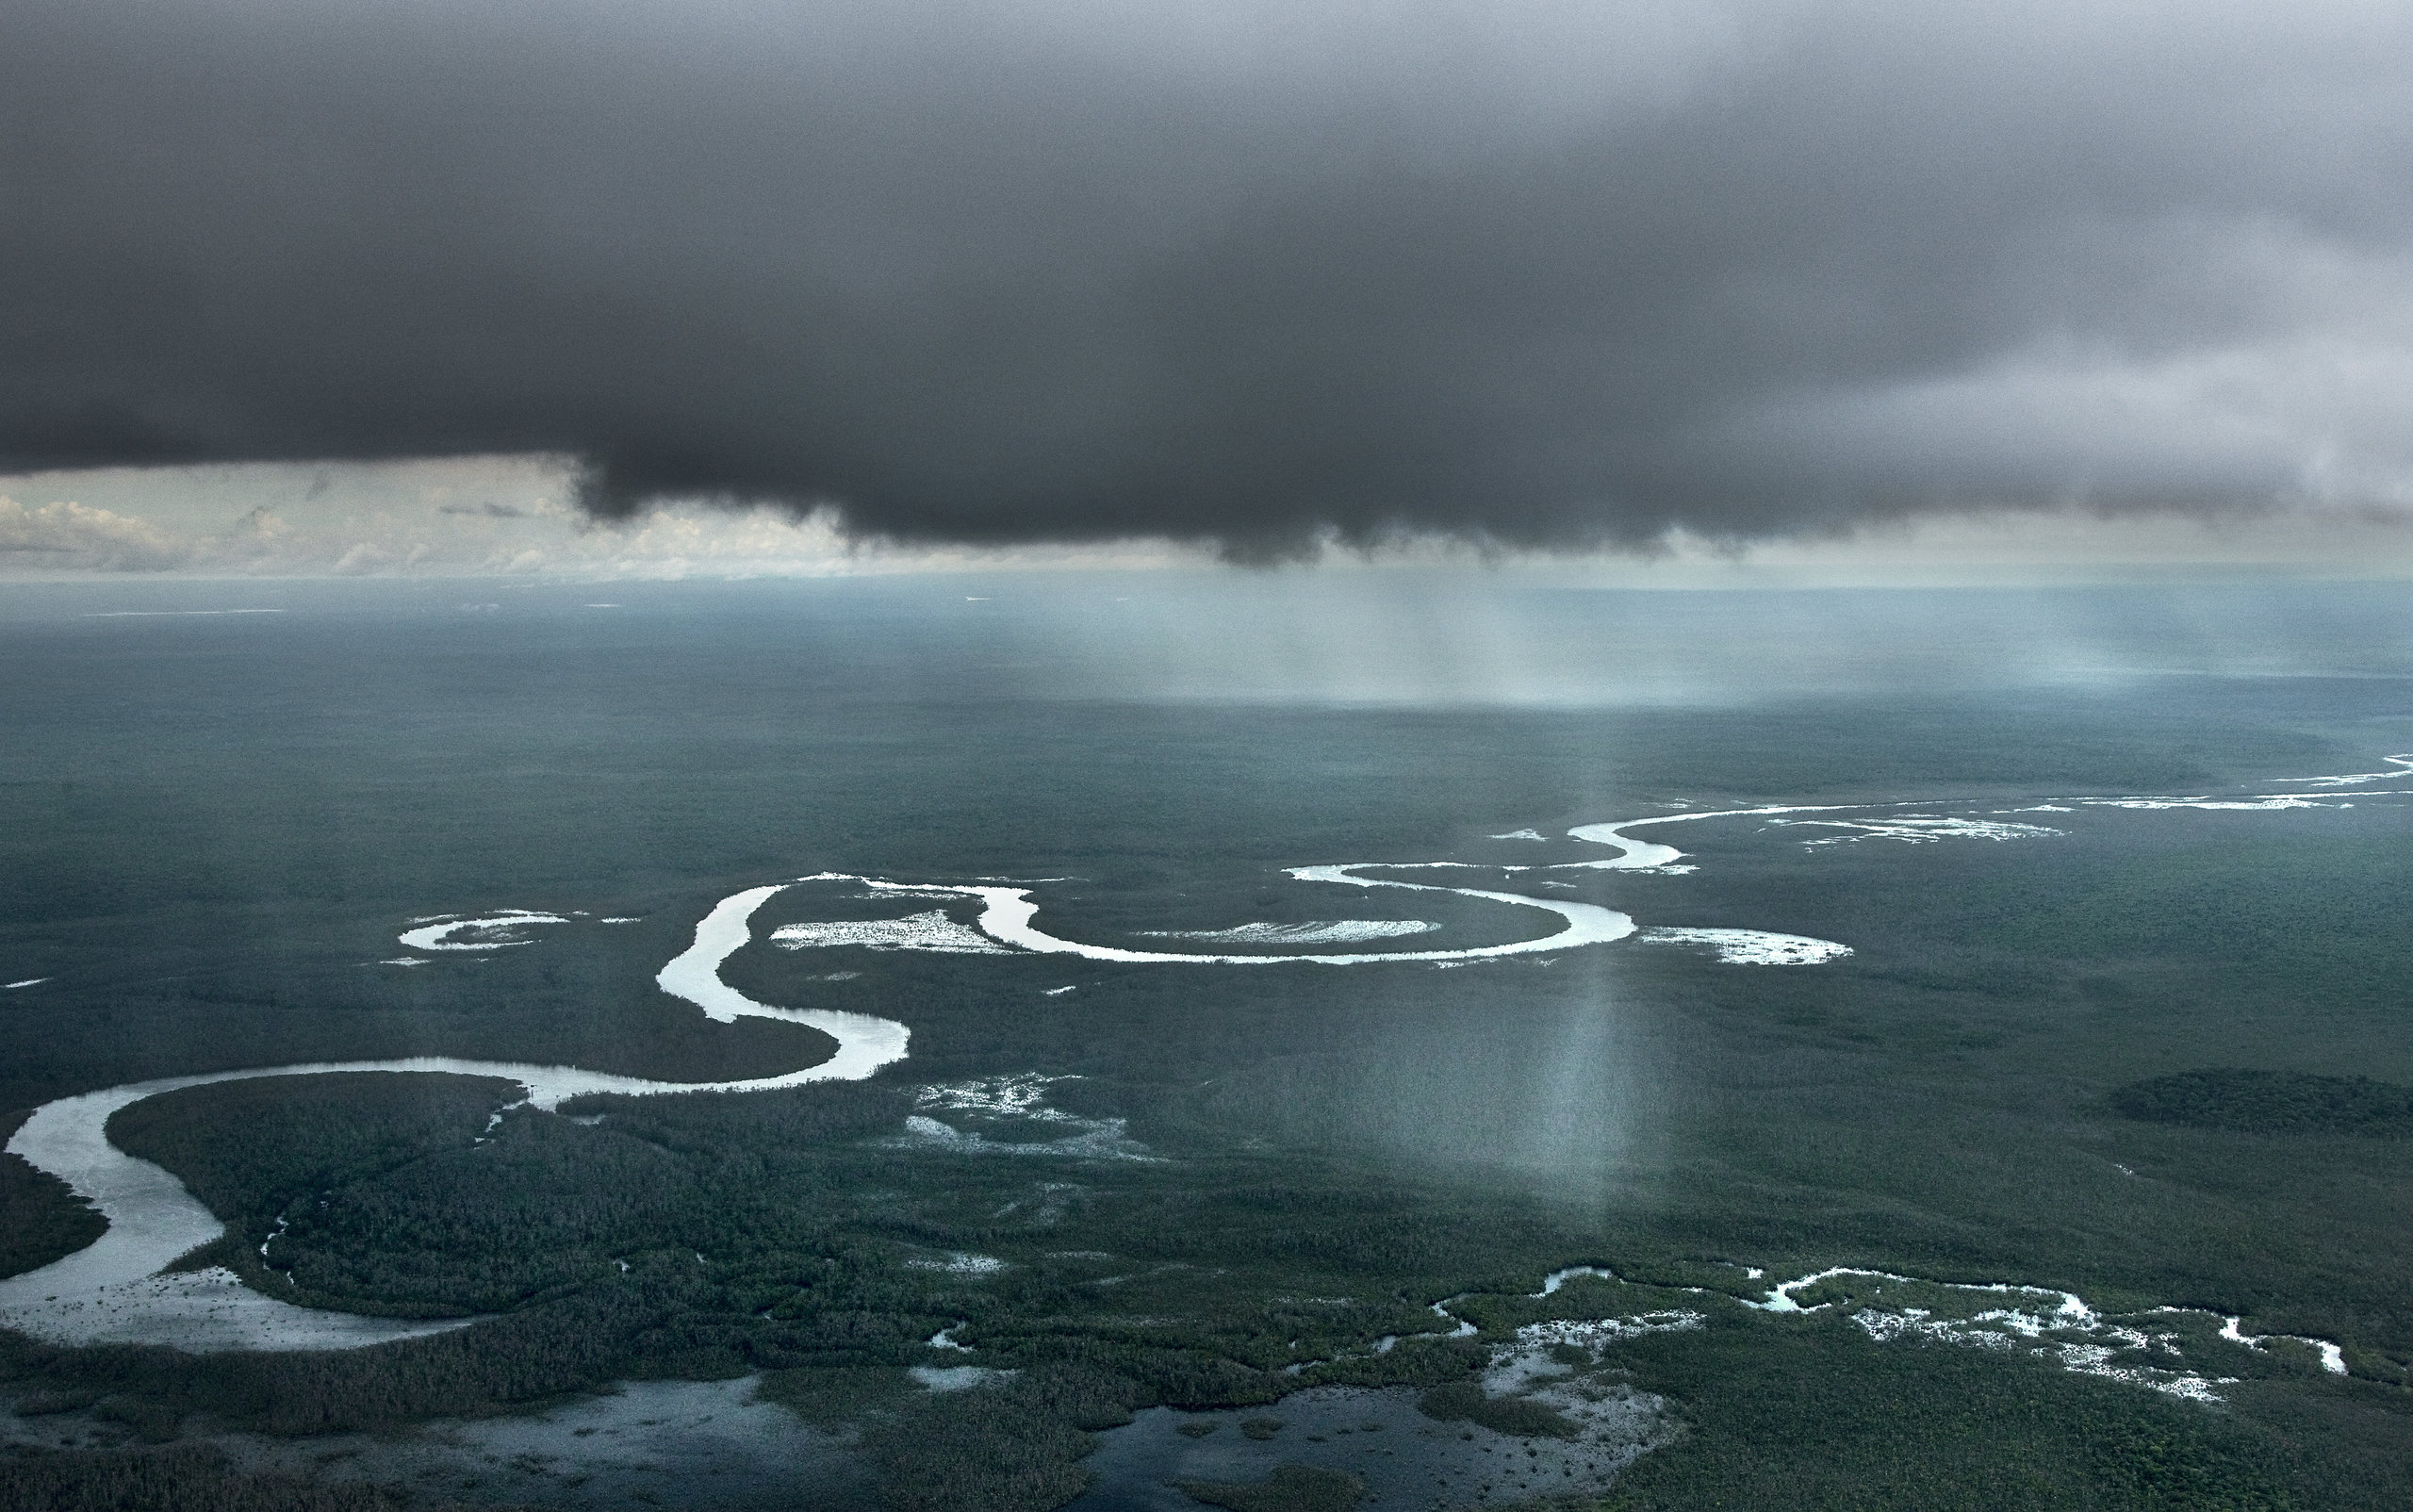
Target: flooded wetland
783	1079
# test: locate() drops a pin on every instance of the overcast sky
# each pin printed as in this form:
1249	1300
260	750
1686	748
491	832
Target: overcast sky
1250	277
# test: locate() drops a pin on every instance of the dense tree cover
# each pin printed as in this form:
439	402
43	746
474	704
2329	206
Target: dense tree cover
1790	1417
1933	1104
1290	1489
185	1478
2269	1102
523	1357
793	1233
1465	1401
804	1245
260	1153
392	1191
802	1217
41	1218
1014	1445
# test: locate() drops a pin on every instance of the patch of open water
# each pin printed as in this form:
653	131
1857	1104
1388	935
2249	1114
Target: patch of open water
708	1446
1407	1459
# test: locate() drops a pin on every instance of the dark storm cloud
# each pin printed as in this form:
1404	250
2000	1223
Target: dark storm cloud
1526	274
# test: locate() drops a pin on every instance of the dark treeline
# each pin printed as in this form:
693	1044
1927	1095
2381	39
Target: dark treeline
2269	1102
1814	1415
184	1478
809	1220
1290	1489
786	1233
41	1218
1016	1445
255	1151
789	1233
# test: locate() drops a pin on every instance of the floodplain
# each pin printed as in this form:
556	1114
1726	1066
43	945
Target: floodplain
1975	1085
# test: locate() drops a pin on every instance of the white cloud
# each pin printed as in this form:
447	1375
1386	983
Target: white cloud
501	517
65	536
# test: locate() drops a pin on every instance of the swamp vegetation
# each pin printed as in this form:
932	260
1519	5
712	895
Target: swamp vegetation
2156	1060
